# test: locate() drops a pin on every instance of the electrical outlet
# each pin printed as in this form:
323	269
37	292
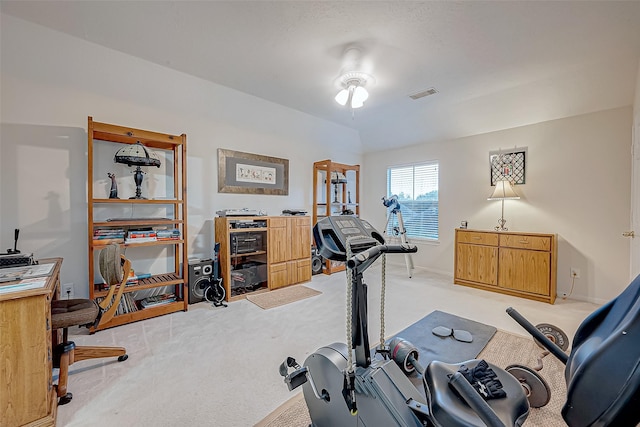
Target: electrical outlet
575	273
66	291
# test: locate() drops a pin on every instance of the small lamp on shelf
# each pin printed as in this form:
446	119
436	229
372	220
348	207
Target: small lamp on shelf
136	155
503	191
336	179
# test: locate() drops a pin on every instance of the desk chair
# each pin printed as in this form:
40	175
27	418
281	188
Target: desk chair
114	269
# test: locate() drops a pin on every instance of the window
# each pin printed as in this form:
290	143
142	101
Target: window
416	187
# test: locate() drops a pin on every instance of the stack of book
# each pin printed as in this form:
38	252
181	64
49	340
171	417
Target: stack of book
105	236
141	236
157	300
167	233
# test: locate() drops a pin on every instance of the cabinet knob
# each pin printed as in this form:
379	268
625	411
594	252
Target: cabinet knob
476	237
524	242
629	234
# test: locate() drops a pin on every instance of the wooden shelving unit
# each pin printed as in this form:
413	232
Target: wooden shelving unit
114	213
329	198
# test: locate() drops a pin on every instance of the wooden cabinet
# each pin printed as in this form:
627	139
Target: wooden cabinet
336	192
521	264
263	253
162	213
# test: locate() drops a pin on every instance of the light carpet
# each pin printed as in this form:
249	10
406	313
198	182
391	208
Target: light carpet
279	297
503	349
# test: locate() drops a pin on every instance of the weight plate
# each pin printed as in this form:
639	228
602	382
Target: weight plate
442	331
555	334
535	387
462	336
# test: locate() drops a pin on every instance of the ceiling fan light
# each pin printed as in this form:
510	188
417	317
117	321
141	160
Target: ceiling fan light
342	97
360	95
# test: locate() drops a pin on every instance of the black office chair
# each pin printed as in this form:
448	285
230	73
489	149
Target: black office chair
603	369
114	269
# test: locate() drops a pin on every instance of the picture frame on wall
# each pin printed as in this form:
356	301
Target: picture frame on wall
510	165
248	173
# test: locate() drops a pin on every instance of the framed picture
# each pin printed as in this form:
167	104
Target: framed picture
510	165
252	173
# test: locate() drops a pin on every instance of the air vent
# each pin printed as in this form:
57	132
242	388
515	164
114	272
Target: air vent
430	91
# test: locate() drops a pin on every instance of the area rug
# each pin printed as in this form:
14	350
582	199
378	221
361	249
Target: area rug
503	349
267	300
446	349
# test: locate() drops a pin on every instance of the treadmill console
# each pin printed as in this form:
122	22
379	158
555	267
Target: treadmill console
331	234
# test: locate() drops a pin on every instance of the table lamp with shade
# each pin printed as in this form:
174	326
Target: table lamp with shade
336	179
136	155
503	191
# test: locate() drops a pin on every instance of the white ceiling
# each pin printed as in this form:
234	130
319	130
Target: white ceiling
495	64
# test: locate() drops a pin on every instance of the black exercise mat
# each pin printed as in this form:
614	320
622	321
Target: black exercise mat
448	349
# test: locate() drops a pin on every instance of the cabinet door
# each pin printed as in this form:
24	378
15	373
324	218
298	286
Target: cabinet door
300	237
279	241
25	354
303	267
278	275
475	263
523	270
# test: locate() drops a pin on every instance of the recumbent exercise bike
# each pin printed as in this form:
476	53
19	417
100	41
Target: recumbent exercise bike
602	374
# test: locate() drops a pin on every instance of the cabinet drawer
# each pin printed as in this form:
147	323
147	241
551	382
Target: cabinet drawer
474	237
535	243
277	222
278	267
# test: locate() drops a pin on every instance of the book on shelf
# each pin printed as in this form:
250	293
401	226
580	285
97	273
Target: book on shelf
173	233
140	234
99	231
134	278
106	233
141	239
98	242
157	300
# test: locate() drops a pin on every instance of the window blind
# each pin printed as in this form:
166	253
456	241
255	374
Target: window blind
416	187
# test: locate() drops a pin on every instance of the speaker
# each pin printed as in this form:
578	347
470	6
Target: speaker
200	276
317	262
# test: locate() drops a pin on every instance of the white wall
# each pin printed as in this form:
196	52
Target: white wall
51	82
577	185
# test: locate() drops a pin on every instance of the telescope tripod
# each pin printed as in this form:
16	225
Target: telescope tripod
402	232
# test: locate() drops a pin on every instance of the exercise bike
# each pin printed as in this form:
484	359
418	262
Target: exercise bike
602	371
373	390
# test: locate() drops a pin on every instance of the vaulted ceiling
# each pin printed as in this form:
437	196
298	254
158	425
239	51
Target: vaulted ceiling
495	64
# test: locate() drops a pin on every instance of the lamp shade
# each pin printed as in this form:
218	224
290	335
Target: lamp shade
503	191
338	178
353	96
360	95
136	155
342	97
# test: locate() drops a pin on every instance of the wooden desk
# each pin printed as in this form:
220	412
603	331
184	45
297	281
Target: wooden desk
27	394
